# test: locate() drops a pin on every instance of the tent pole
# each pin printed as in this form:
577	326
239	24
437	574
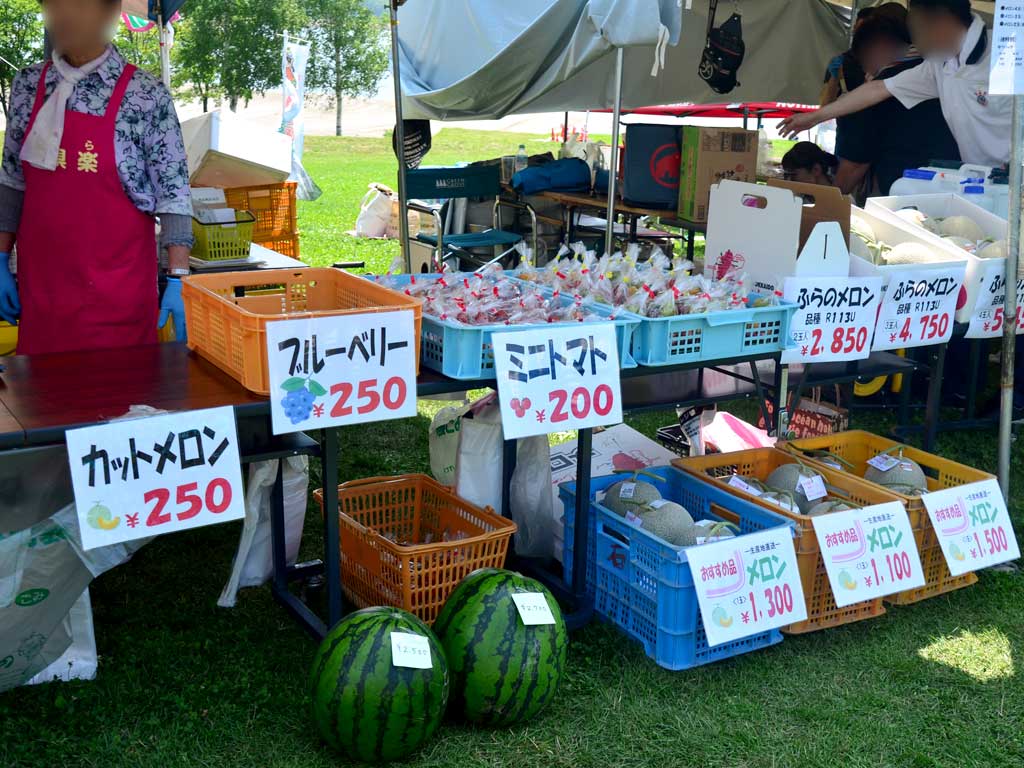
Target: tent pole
565	129
1010	300
609	234
165	51
403	218
854	10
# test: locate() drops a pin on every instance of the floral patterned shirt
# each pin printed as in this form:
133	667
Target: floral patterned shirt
148	145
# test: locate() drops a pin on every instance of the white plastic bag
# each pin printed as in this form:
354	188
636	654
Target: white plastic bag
443	440
478	467
374	212
79	661
531	500
253	564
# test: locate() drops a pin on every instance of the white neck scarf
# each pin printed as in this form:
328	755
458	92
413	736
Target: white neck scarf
43	142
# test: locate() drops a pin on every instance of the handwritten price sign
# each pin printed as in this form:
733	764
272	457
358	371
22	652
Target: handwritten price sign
747	585
868	552
347	369
987	318
972	525
918	307
835	317
145	477
557	379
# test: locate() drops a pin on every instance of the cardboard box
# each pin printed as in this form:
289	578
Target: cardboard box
711	155
225	151
820	204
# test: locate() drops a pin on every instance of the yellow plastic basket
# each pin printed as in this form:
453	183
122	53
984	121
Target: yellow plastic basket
822	611
216	242
857	447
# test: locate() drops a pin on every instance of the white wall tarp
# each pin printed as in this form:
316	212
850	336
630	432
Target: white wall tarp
481	59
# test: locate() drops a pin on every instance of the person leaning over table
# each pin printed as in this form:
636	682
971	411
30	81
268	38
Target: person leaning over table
93	152
956	47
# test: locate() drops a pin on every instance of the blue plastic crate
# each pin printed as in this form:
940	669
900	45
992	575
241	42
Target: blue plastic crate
713	335
643	585
466	352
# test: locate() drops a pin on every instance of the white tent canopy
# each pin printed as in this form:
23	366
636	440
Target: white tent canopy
481	59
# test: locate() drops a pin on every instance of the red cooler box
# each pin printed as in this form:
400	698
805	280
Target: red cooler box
651	178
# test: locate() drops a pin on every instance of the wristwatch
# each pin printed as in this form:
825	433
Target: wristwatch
179	272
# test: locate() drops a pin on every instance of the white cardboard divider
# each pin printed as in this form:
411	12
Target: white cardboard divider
942	206
761	241
825	253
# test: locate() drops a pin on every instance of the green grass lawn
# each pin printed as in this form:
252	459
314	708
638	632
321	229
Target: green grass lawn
184	683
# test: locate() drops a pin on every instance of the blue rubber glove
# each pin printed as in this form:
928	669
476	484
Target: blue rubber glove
10	306
172	306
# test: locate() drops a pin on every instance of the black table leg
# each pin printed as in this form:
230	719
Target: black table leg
931	419
691	243
508	466
633	221
332	539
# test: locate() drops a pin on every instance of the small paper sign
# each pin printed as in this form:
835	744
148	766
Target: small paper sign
633	519
918	307
972	526
1006	64
883	462
747	584
343	369
657	503
409	650
557	379
145	477
813	487
533	608
627	490
868	552
739	483
987	318
835	317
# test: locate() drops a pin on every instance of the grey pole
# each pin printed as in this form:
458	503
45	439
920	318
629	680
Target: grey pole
403	220
855	6
1010	300
609	235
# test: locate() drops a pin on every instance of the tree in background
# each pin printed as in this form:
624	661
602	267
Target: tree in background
21	42
140	48
350	52
232	48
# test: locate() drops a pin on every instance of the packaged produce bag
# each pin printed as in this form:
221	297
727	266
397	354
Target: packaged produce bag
813	417
443	442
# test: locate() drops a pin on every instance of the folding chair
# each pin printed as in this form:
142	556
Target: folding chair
474	181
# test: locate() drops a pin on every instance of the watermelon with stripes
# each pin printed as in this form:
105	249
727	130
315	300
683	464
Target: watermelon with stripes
503	672
365	706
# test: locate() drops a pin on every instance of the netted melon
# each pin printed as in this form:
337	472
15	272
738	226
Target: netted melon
782	499
629	495
912	215
831	460
669	521
962	226
788	478
905	477
994	250
828	506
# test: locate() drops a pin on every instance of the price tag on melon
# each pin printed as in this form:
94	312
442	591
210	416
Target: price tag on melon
868	552
533	608
344	369
409	650
987	318
557	378
627	490
883	462
835	317
747	584
813	487
918	307
634	519
739	483
145	477
972	526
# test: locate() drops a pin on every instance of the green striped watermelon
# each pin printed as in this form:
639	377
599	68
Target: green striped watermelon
365	706
503	672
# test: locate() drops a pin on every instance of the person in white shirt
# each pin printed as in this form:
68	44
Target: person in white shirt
956	47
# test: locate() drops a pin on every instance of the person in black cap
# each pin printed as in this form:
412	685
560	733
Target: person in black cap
808	163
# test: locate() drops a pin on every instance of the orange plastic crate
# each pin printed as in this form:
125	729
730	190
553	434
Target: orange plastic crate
856	447
822	611
287	246
273	205
227	313
379	514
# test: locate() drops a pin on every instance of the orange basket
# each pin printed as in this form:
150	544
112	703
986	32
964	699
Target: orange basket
822	611
227	313
378	515
273	205
856	447
286	246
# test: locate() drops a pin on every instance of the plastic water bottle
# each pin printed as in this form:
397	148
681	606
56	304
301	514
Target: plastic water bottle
522	159
975	193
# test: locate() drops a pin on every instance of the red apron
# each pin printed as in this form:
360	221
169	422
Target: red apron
86	255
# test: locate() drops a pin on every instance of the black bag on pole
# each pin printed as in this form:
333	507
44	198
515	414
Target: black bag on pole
723	52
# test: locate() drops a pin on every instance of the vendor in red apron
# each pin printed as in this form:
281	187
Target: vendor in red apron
92	155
